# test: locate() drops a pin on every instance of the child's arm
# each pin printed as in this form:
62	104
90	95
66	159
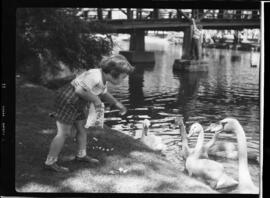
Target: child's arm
109	98
86	95
112	100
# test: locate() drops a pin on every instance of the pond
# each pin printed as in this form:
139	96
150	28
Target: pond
230	88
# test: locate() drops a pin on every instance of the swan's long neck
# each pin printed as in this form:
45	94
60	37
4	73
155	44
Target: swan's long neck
210	143
244	176
184	137
145	131
199	144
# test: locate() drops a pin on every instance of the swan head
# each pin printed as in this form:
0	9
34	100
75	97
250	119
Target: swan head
229	124
214	127
195	128
226	125
146	124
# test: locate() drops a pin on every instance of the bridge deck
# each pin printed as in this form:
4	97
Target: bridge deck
178	25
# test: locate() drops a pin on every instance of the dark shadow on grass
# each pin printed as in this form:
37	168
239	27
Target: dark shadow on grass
33	104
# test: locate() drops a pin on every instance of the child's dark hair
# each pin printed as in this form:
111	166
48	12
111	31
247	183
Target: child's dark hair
115	65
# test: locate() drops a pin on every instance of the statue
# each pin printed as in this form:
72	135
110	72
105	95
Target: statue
195	49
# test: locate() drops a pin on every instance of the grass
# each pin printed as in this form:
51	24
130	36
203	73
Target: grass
147	171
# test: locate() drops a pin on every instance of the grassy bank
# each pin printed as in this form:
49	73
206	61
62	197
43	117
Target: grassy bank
129	167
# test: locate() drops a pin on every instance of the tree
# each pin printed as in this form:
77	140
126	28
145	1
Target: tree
45	36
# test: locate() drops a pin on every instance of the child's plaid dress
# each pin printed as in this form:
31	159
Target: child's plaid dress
69	106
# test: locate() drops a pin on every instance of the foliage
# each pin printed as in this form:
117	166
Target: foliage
49	35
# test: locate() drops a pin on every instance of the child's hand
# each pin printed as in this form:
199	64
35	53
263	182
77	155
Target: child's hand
121	107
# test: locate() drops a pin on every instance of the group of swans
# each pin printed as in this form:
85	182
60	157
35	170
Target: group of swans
197	161
221	149
198	164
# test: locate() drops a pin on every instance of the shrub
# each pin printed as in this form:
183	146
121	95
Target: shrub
45	36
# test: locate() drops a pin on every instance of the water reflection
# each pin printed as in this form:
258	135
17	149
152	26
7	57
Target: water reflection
136	81
188	91
229	88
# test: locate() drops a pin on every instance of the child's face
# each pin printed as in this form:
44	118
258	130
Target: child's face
117	81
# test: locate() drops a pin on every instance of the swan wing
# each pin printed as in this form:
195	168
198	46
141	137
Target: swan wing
157	143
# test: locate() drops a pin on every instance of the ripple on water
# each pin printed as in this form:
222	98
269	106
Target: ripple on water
229	89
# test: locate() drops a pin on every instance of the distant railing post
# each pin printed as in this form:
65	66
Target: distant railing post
129	14
99	13
255	14
85	14
178	15
238	14
155	13
193	14
109	16
220	14
139	13
170	15
200	13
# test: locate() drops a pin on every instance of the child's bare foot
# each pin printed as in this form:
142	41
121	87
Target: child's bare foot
55	167
87	159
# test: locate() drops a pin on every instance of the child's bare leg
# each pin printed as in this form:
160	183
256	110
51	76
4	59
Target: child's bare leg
81	137
63	130
82	142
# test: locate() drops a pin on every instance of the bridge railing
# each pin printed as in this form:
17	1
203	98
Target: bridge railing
162	14
232	14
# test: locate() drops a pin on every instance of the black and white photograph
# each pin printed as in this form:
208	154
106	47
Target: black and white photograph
138	100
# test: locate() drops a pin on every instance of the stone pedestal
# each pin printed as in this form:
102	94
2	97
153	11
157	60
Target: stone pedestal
139	56
186	43
190	65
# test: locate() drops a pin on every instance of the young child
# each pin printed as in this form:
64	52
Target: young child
72	99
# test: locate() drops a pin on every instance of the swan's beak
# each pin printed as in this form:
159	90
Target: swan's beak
216	128
195	128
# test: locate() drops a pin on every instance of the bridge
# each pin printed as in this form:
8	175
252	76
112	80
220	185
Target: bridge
126	26
172	20
137	21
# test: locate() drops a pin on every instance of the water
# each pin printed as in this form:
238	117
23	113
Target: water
229	88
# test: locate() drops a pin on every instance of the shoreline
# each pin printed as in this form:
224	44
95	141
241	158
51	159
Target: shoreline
179	41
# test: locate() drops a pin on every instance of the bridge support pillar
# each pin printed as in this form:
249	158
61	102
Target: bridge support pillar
186	43
137	53
136	42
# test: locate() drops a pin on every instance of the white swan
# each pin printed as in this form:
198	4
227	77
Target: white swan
245	183
221	149
229	150
152	141
209	170
186	151
194	128
197	128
